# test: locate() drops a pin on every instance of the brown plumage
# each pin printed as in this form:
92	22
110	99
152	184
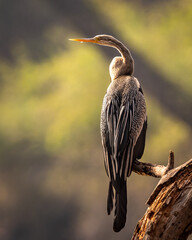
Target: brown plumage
123	126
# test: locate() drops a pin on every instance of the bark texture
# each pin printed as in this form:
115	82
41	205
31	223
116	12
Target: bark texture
169	215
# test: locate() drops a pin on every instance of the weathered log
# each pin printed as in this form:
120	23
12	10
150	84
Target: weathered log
169	215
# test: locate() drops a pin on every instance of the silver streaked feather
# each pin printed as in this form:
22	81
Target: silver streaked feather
123	116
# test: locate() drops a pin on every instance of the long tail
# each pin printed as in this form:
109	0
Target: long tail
120	208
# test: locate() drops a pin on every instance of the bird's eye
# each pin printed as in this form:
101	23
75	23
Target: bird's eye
97	38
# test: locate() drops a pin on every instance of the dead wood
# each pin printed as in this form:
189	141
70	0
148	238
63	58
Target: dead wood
169	215
153	169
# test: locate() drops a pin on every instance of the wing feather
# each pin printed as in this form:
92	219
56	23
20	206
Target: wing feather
124	143
111	113
117	141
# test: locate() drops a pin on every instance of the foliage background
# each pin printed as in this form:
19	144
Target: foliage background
52	180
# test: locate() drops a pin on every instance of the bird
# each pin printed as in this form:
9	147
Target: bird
123	125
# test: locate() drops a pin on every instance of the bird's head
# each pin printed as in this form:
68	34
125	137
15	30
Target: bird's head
102	39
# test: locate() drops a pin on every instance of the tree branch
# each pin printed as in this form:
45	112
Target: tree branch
154	170
169	215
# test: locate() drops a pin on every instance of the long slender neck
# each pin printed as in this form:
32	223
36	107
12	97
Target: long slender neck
125	53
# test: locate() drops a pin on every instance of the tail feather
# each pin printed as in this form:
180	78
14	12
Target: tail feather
120	208
110	199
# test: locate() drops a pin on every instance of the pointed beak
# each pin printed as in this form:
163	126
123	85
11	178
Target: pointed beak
92	40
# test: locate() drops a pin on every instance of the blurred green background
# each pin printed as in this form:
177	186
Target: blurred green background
52	179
